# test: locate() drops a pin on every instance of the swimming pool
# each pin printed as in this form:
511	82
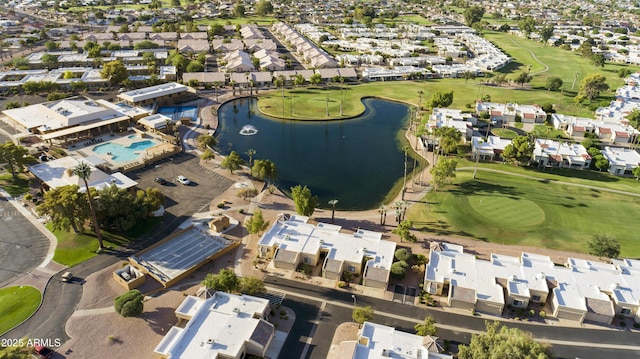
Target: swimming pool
178	112
120	153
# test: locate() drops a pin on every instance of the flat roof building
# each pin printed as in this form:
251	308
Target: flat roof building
165	93
291	241
223	326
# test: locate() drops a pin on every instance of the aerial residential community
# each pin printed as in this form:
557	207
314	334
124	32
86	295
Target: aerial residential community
267	179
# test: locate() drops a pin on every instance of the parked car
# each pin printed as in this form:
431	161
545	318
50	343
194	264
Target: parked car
160	180
42	352
67	277
184	180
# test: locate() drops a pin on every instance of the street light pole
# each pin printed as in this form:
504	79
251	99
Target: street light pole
354	307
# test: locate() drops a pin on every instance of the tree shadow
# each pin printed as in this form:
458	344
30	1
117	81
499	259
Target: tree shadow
478	187
159	319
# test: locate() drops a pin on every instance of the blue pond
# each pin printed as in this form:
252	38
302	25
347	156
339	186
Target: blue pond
355	161
120	153
178	112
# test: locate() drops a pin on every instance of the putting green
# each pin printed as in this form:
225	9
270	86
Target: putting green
507	212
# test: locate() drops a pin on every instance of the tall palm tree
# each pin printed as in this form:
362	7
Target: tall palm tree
333	203
251	152
83	170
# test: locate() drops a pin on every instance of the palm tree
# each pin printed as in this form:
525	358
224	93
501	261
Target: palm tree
251	152
83	170
333	203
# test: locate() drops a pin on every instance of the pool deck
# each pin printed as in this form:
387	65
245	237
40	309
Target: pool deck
86	148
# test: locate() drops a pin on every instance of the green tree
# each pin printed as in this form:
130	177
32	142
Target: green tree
448	139
264	170
83	171
207	155
239	10
602	245
115	71
591	87
553	83
546	32
256	223
503	342
250	152
129	304
50	45
636	172
602	163
523	78
473	14
304	200
263	8
148	201
232	162
178	60
145	44
205	141
519	150
403	254
124	28
21	63
398	270
404	231
225	281
117	208
49	61
634	118
66	207
315	79
251	286
195	66
362	314
16	157
426	328
443	172
527	25
597	60
441	99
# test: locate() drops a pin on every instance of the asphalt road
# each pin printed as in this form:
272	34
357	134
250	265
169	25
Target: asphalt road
404	317
22	246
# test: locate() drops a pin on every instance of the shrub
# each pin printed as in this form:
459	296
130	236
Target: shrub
129	304
543	314
341	284
403	254
636	325
532	312
221	205
247	192
241	211
623	324
399	269
419	259
28	197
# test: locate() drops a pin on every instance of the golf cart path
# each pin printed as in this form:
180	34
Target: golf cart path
550	180
546	67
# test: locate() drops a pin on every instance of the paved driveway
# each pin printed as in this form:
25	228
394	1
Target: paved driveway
22	246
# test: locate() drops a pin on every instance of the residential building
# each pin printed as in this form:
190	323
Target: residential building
292	241
489	149
223	326
380	341
560	154
622	161
444	117
579	290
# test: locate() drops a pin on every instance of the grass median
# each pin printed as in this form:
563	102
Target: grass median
18	303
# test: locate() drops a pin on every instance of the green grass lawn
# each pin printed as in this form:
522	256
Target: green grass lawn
561	63
310	103
18	303
504	133
515	210
543	131
75	248
14	187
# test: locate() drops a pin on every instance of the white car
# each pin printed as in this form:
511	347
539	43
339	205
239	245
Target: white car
184	180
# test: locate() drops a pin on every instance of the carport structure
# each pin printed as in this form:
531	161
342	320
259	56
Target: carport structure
180	254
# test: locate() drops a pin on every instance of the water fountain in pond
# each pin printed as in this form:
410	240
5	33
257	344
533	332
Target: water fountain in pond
248	130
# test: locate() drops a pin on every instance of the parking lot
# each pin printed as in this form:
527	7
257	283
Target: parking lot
182	200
